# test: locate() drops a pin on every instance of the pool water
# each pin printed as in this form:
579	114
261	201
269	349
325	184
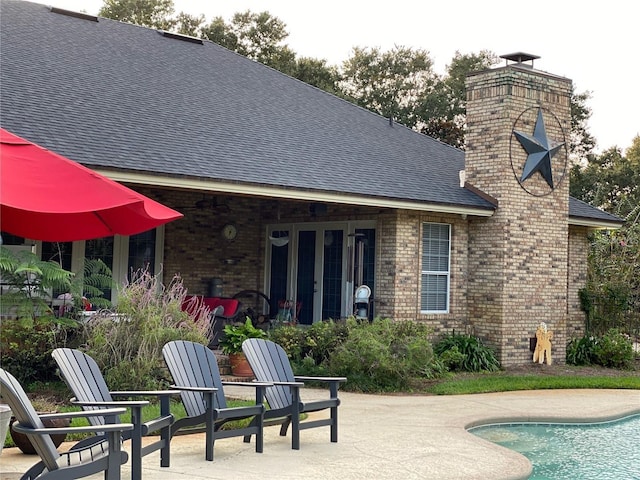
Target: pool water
592	451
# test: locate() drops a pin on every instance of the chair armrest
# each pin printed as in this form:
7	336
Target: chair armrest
291	384
195	389
103	412
110	427
120	403
145	393
249	384
321	379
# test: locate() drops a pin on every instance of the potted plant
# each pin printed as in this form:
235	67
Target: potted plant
43	407
231	344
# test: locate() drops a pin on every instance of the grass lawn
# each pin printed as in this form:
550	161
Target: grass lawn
536	377
504	383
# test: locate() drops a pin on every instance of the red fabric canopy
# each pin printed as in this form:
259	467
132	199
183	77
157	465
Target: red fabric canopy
45	196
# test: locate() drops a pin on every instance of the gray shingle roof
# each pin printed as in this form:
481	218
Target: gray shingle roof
118	96
581	210
114	95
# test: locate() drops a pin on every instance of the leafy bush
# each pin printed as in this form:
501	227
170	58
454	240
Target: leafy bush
384	355
32	281
313	345
127	343
614	349
476	357
379	356
580	351
290	338
453	359
26	345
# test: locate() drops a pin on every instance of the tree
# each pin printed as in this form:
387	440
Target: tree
149	13
443	111
317	73
389	83
258	36
612	181
581	142
609	180
191	25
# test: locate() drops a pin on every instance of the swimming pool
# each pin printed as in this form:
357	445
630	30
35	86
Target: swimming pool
584	451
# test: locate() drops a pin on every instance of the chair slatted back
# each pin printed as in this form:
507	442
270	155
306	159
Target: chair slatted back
270	363
194	365
14	395
84	379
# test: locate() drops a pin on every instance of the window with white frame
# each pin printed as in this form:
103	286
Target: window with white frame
436	253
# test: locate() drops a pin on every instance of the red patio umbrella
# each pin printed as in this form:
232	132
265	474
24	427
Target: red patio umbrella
45	196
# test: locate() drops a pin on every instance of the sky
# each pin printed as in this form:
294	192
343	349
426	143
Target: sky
595	44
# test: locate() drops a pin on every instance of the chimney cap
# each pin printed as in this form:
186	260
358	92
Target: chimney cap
520	57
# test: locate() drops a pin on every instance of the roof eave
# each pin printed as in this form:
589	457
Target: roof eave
596	223
142	178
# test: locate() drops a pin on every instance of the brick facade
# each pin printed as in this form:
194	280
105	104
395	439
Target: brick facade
577	279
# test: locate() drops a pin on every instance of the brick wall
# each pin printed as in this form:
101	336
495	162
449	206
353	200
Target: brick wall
196	249
399	265
577	279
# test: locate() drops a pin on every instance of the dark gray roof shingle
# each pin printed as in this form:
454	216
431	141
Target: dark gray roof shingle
119	96
581	210
115	95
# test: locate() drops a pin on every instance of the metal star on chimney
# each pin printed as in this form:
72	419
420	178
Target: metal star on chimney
540	150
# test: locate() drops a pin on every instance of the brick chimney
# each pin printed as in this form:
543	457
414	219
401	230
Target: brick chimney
518	121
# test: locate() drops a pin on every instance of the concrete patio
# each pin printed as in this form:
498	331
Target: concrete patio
383	437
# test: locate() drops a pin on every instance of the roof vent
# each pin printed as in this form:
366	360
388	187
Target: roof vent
71	13
184	38
519	58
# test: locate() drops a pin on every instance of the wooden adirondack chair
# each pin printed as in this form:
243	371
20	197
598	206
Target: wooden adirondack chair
195	373
100	456
270	363
82	375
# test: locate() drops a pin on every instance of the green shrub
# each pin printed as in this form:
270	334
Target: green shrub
366	359
321	339
30	328
290	338
26	345
383	355
580	351
614	349
477	357
379	356
453	359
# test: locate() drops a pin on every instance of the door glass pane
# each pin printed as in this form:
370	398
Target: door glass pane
59	252
142	252
306	275
279	269
101	248
332	275
364	263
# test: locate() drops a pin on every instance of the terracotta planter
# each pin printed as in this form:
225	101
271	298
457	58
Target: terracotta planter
240	365
24	444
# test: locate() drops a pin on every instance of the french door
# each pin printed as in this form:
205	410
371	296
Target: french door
315	266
